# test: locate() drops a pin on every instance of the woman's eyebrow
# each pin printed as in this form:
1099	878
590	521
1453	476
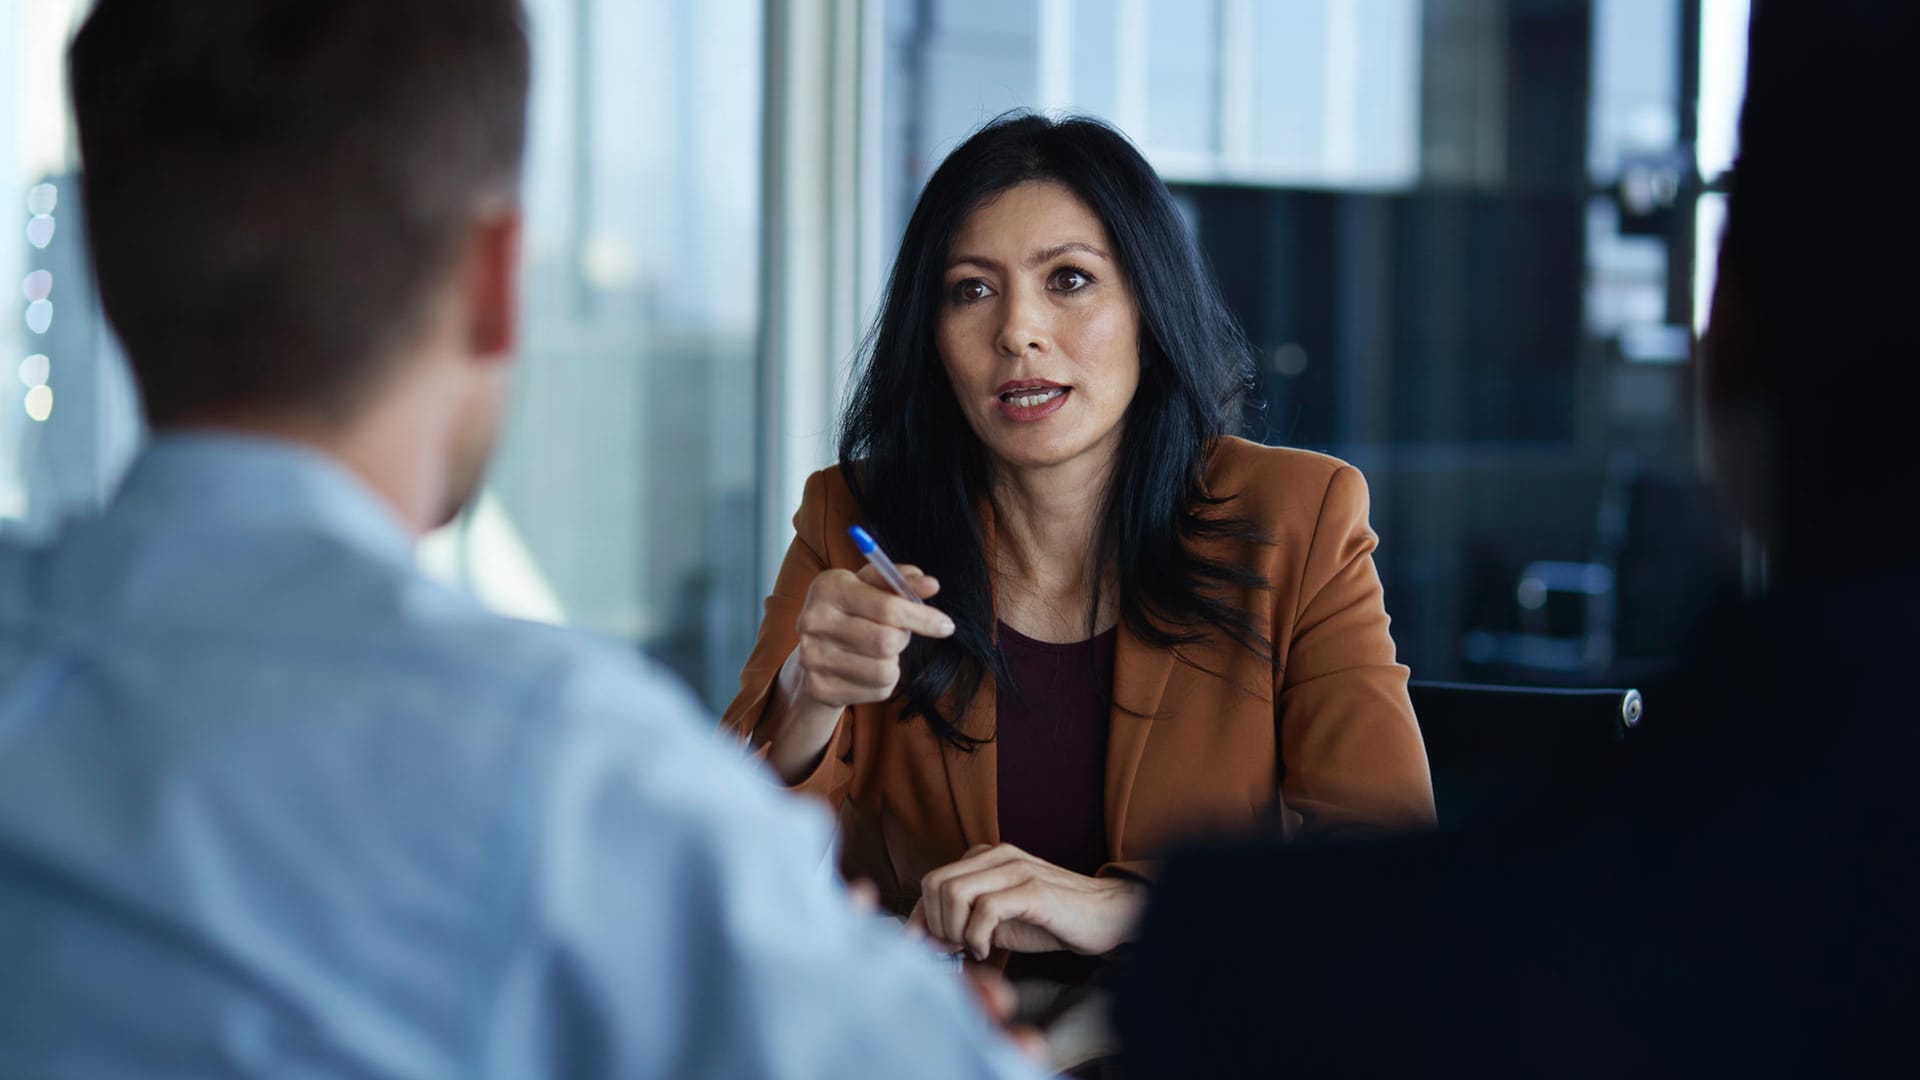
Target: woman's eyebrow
1048	254
973	260
1045	254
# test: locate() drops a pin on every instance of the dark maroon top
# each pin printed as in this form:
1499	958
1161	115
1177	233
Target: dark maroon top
1051	731
1052	747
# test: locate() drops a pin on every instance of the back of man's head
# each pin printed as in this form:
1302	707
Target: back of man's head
275	187
1812	366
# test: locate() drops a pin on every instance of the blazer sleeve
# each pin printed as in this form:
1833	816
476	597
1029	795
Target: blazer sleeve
1351	754
806	558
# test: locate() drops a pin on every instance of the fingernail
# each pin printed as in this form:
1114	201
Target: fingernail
946	627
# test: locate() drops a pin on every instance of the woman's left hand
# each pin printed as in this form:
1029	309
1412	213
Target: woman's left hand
1003	897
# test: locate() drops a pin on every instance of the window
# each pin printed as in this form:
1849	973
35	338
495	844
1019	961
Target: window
68	417
622	498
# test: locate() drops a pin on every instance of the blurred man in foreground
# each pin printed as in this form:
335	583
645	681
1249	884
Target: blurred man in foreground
1742	901
271	803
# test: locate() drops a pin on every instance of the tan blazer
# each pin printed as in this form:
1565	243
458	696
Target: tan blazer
1327	727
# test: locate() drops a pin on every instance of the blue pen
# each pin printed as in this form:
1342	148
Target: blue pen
864	541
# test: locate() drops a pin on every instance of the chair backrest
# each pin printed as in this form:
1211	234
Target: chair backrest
1493	749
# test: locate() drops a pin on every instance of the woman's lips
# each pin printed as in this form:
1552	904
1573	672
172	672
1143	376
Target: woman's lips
1029	403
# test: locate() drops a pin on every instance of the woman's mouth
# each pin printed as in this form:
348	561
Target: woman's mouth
1033	401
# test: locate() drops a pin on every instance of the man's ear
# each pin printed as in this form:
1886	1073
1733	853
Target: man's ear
493	286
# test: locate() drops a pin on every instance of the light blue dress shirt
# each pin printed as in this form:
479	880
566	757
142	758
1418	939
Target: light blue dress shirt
272	804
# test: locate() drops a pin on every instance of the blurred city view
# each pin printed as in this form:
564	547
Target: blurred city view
1471	239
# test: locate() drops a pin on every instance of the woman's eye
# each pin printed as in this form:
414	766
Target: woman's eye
1068	279
971	290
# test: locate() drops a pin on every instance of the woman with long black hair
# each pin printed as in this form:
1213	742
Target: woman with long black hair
1136	626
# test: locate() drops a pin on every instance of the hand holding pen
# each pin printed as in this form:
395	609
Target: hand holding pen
870	550
853	627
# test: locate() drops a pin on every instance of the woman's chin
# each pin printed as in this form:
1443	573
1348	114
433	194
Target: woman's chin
1027	455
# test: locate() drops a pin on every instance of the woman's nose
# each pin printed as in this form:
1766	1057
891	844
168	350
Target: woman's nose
1023	327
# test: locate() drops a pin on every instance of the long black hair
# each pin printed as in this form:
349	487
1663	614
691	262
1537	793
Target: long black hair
918	471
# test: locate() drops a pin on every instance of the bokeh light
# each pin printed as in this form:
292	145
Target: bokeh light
34	370
1290	360
42	199
39	403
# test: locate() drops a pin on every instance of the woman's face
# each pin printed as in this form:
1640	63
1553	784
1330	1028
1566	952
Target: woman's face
1038	329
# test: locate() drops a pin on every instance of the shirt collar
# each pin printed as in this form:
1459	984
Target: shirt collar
238	480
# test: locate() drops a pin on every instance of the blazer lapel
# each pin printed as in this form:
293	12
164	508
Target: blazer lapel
1140	674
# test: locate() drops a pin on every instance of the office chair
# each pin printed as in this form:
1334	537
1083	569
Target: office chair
1494	749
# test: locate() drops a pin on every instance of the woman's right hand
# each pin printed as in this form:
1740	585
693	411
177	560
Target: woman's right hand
853	629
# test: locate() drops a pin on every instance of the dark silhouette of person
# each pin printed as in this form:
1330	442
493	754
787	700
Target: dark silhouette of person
1739	898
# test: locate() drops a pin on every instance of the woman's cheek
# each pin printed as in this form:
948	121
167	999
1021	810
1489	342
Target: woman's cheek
1108	340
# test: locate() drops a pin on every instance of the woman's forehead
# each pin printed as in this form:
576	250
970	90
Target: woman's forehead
1032	214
